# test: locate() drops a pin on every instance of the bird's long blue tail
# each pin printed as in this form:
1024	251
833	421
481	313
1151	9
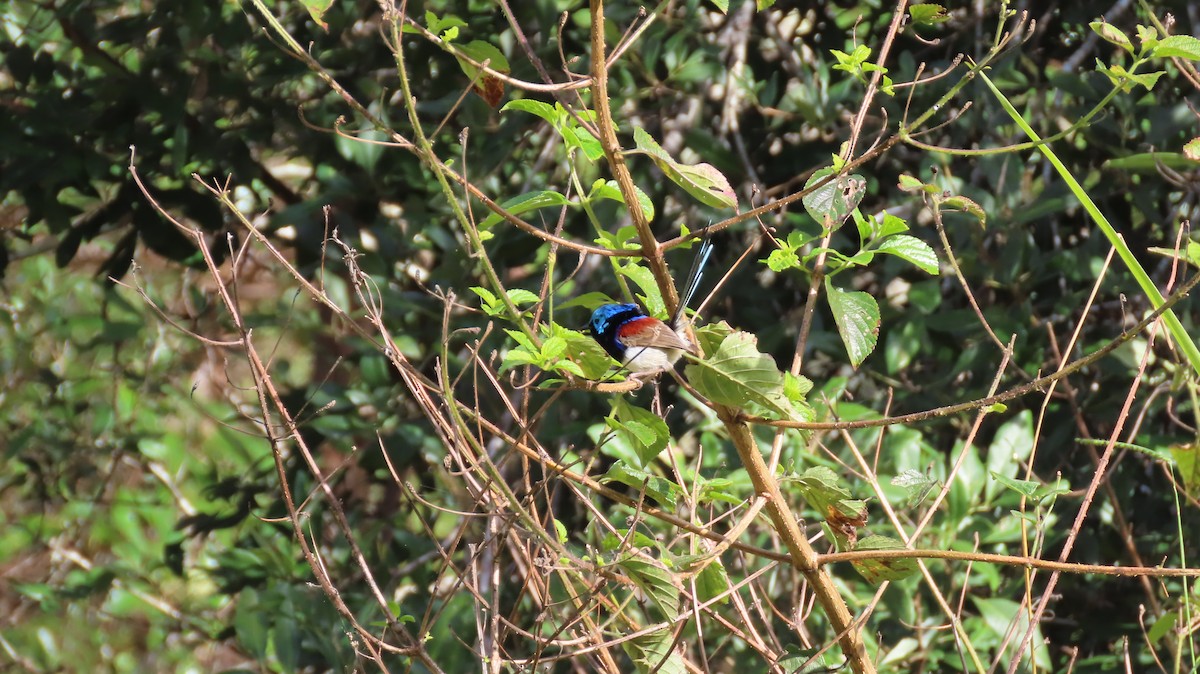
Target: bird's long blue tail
693	280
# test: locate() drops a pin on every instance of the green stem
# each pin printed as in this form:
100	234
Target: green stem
425	150
1178	333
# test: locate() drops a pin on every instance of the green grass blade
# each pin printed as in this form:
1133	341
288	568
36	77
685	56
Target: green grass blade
1143	279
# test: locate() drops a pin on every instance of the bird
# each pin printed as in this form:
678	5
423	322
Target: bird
643	344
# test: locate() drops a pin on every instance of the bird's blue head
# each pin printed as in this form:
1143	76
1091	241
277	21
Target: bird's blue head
608	317
606	320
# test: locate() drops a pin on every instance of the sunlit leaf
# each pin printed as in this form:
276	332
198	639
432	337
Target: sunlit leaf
856	315
927	14
316	9
833	202
489	87
1187	463
525	203
1178	46
1112	34
738	374
702	181
607	189
912	249
645	430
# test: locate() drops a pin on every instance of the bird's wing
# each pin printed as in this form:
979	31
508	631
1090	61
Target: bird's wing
651	332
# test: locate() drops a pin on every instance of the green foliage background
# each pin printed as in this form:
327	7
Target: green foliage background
143	527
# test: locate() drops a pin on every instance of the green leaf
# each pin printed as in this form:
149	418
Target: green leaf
1147	80
1047	493
1191	149
489	300
1011	446
1148	162
712	581
574	135
602	189
832	203
892	224
856	315
488	86
591	359
738	375
1148	36
812	660
916	484
765	4
1026	488
577	136
912	249
1162	627
927	14
645	431
316	9
519	296
553	347
588	301
653	653
876	571
782	259
522	339
619	539
823	491
658	488
437	26
286	638
525	203
998	615
481	52
516	358
1178	46
903	345
961	203
721	5
546	111
702	181
716	489
1112	34
251	623
656	581
644	279
911	184
1187	462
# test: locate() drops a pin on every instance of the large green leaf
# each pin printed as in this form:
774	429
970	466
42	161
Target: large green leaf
702	181
739	375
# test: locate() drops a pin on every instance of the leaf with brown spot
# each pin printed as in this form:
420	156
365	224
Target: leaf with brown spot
489	87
